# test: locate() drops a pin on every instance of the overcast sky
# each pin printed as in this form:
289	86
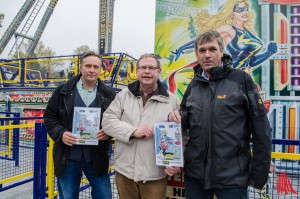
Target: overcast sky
75	23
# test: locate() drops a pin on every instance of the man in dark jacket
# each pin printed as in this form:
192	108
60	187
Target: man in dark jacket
220	111
70	159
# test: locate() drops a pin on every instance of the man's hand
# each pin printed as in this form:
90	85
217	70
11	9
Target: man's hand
101	135
174	116
68	138
170	170
143	131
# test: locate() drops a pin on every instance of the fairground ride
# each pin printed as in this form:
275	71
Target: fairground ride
118	70
32	8
28	80
37	72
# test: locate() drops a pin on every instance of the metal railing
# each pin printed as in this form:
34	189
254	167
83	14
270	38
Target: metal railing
26	159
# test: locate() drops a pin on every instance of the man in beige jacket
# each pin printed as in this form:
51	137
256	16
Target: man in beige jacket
130	119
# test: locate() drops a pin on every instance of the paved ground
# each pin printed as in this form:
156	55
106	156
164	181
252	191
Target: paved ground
20	192
26	192
9	168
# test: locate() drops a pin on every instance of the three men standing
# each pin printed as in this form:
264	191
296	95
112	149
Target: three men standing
221	110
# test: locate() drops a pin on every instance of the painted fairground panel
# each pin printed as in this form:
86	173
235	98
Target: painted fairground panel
28	104
108	65
257	34
127	71
27	112
263	38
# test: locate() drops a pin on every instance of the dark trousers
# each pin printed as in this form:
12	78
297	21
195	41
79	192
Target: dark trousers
69	184
194	190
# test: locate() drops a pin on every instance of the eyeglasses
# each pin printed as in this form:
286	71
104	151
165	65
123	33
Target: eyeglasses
240	9
150	68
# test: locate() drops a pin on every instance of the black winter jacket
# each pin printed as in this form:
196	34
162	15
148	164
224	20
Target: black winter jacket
58	118
220	116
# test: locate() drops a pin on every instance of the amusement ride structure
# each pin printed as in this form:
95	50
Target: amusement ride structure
33	8
26	85
52	71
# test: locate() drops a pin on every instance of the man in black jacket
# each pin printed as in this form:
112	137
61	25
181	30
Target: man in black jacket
220	111
70	159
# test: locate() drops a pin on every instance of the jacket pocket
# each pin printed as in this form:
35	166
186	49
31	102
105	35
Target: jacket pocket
243	160
59	158
194	169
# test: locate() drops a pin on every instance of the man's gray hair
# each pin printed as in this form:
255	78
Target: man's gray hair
149	55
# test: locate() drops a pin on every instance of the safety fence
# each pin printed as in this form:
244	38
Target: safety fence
26	157
283	182
15	153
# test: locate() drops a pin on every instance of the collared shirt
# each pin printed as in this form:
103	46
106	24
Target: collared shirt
88	96
204	75
147	97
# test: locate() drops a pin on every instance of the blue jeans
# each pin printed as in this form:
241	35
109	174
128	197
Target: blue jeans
194	190
69	184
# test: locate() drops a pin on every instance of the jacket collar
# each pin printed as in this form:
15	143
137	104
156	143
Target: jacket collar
134	88
219	72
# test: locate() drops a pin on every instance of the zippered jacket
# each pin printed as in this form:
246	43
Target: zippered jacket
220	115
135	157
58	118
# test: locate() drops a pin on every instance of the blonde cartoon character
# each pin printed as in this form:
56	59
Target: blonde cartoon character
81	125
235	24
163	144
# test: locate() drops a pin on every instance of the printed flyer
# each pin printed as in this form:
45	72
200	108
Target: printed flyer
168	144
86	124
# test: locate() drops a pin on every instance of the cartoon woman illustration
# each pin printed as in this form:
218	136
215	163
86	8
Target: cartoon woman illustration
81	126
163	144
235	24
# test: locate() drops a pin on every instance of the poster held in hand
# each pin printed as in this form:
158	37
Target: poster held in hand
168	144
86	124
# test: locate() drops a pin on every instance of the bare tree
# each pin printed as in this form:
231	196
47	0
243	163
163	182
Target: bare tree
1	18
81	49
43	63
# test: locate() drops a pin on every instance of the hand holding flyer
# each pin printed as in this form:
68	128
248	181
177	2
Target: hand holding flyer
168	144
86	124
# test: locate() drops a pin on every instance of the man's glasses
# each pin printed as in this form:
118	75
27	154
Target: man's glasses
150	68
240	9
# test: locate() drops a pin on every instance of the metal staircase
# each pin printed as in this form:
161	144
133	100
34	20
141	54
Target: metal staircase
19	40
41	27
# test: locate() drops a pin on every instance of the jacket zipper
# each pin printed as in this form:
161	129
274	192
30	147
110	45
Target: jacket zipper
67	107
211	135
66	148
